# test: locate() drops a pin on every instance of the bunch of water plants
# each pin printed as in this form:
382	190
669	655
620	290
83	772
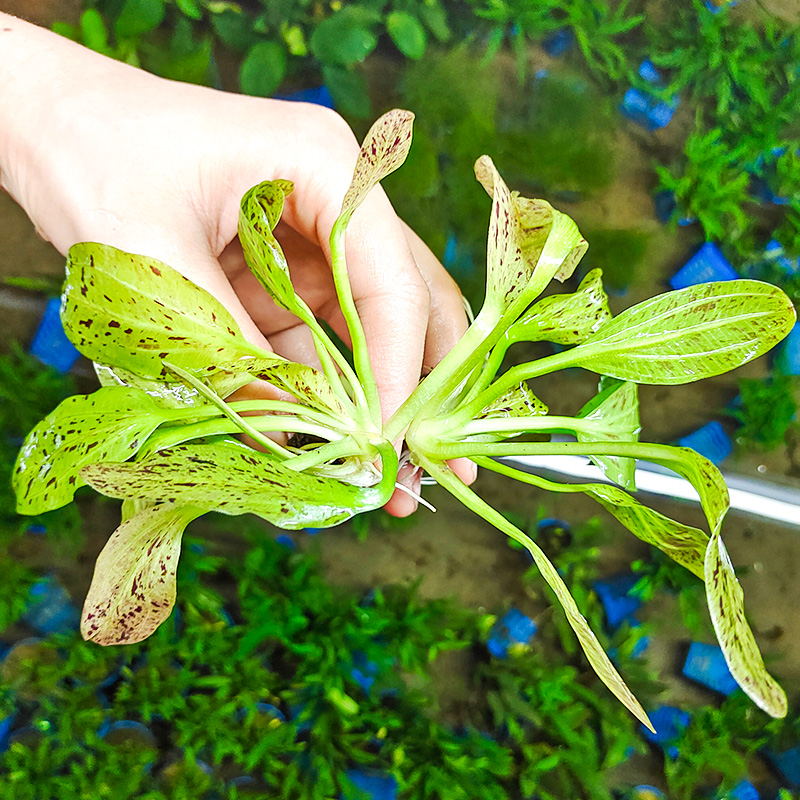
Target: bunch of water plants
161	435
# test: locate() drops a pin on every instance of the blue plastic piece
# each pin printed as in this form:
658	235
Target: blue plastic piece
669	723
50	609
552	522
716	9
666	207
457	260
513	629
376	785
706	665
789	354
648	71
50	344
775	253
705	266
559	42
787	762
744	790
286	541
646	110
618	605
312	531
364	671
36	530
5	731
645	792
710	441
319	95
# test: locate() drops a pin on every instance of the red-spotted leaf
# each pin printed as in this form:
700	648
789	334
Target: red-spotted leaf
726	606
111	424
384	149
133	586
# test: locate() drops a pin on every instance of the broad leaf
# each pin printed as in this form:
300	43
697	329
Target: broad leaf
726	606
172	395
565	318
133	586
383	150
693	333
683	543
615	411
132	312
595	654
110	424
234	479
517	402
529	244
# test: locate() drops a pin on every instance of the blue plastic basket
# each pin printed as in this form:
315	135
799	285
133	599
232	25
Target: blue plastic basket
669	723
788	360
6	725
618	605
775	253
705	664
318	95
744	790
559	42
50	344
787	763
513	629
705	266
646	110
710	441
378	786
50	609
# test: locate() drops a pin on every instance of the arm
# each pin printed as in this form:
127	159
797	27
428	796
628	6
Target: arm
95	150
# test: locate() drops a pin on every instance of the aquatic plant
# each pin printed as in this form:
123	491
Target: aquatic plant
160	434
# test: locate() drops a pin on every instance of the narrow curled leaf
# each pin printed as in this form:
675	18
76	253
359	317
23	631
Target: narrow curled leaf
682	543
693	333
383	150
565	318
131	312
259	212
726	606
133	586
615	412
234	479
112	423
595	654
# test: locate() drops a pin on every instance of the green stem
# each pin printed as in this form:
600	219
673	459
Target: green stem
326	452
268	406
344	292
244	426
543	424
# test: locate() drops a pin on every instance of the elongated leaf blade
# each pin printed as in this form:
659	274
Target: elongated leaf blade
132	312
726	606
595	654
259	213
133	586
519	401
110	424
383	150
234	479
173	395
566	318
693	333
615	412
683	543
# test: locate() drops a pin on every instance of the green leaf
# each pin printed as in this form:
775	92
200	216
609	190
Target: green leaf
138	17
682	543
529	244
726	606
190	8
110	424
132	312
435	19
234	479
565	318
519	401
595	654
349	90
694	333
615	410
93	30
234	28
407	33
263	69
346	37
133	586
383	150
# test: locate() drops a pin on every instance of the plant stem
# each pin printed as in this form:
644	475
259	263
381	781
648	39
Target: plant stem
326	452
543	424
348	305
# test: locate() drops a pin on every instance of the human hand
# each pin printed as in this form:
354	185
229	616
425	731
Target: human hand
104	152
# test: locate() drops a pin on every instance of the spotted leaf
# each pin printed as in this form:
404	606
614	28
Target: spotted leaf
133	586
110	424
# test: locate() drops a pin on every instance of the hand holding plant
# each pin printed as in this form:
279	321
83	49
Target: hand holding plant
159	434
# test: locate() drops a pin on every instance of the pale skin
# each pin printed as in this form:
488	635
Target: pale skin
96	150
